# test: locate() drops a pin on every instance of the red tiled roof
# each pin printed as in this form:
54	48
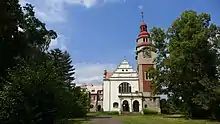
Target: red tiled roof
143	33
143	44
143	24
108	75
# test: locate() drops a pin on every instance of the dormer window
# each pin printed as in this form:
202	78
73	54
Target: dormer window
122	69
126	69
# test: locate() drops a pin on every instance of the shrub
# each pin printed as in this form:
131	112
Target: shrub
113	113
110	113
149	111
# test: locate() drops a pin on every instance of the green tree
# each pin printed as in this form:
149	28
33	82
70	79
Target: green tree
170	106
38	92
64	65
187	61
36	85
79	100
33	94
21	35
9	34
80	104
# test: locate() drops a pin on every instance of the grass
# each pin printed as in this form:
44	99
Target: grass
94	114
143	119
87	120
78	121
160	119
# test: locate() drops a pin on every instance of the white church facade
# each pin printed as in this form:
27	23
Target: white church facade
121	92
126	90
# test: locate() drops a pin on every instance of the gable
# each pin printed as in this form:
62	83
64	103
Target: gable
124	70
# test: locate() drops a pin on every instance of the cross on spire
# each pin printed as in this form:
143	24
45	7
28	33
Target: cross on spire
142	12
142	16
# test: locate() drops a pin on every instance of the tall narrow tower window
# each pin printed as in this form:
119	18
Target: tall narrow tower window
148	76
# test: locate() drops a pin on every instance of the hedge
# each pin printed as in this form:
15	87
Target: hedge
110	113
149	111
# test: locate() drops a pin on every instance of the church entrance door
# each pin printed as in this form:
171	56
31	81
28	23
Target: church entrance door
99	108
125	106
136	106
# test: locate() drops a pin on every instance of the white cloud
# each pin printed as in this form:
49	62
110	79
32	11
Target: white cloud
114	1
140	7
22	2
60	42
86	3
91	72
56	11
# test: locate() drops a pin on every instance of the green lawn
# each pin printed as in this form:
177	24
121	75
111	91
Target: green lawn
160	119
143	119
78	121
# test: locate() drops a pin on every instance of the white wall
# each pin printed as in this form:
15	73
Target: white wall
106	96
124	73
93	88
115	92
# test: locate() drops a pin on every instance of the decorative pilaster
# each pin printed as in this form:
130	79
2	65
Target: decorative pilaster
131	106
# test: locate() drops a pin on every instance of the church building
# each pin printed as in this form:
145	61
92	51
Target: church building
127	90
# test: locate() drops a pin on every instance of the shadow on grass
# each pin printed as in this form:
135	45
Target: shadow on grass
99	117
88	118
174	116
178	116
77	121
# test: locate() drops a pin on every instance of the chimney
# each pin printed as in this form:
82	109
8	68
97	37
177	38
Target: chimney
105	73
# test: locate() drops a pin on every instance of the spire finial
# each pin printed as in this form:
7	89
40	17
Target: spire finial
142	16
142	13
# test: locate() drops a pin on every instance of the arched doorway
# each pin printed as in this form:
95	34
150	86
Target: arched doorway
99	108
125	106
136	106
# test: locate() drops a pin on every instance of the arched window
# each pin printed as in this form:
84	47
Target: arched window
91	106
145	106
124	88
115	105
145	40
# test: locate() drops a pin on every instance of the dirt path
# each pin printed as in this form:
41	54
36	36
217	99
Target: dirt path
104	120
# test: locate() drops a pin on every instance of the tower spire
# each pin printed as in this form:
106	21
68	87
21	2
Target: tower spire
143	27
142	16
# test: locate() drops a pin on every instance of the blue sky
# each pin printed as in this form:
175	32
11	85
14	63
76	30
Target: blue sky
100	33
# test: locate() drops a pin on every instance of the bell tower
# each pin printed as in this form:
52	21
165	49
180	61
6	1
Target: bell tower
144	58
